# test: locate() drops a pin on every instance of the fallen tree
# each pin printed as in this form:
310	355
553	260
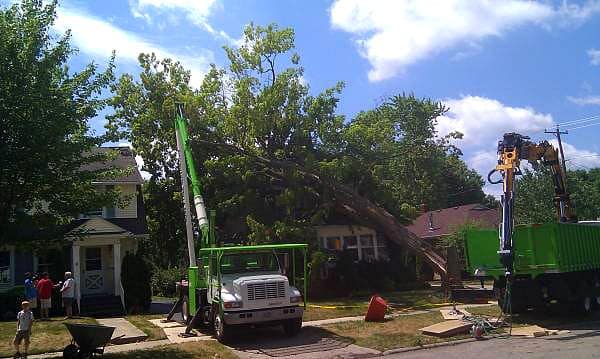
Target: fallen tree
349	203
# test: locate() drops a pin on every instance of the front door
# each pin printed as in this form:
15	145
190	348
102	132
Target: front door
93	271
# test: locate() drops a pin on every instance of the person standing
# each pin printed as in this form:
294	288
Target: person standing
68	294
24	323
30	291
44	289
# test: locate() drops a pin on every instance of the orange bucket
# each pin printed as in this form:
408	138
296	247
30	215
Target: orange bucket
377	309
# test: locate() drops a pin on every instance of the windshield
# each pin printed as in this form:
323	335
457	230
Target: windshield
249	262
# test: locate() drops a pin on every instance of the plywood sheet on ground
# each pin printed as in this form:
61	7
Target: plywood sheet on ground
532	331
447	328
451	314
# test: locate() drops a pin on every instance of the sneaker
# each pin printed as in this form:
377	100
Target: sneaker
17	355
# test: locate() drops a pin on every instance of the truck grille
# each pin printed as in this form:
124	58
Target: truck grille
269	290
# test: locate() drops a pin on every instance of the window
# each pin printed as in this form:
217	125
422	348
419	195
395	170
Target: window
249	262
96	212
5	267
350	242
93	258
333	243
45	261
109	212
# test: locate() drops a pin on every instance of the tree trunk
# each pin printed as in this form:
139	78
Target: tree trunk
362	210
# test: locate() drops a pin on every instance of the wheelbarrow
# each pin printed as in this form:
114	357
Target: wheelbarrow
88	340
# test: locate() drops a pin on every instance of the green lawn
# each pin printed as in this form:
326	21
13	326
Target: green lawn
399	332
142	322
47	336
190	350
357	305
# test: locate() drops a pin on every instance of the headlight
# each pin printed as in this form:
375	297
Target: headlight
295	295
230	305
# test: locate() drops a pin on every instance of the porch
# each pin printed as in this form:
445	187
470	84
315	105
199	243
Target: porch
97	272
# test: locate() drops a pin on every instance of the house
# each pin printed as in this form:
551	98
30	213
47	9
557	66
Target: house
96	243
366	244
433	225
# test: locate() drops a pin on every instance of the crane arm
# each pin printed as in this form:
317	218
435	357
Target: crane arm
511	150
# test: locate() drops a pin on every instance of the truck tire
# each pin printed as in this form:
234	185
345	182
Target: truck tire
221	330
292	327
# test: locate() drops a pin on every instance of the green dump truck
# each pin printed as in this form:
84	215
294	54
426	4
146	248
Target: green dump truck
556	265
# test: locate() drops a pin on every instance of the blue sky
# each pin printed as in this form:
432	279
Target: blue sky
507	65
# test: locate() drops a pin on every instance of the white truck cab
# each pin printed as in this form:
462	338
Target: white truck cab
254	291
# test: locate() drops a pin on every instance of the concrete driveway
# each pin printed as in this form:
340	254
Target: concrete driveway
311	342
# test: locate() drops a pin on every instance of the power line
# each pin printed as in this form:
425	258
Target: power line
576	128
581	120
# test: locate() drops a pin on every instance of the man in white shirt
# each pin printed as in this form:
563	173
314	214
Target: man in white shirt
68	294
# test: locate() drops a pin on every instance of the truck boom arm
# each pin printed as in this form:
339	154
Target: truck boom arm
511	150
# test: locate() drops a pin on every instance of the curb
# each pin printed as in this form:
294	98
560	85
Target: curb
442	344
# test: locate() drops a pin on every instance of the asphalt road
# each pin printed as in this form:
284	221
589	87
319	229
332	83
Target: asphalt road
583	341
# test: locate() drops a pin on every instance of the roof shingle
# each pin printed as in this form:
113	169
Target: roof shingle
443	221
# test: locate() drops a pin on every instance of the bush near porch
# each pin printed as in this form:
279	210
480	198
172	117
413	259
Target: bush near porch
135	277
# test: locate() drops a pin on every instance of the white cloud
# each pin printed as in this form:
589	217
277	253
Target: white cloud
99	38
195	11
483	120
578	158
585	100
394	34
594	56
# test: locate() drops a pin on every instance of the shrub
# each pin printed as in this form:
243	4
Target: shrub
163	280
135	277
10	302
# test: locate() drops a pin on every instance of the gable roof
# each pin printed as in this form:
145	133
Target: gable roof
443	221
124	160
98	225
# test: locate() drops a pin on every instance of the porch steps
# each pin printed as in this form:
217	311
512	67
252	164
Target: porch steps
101	306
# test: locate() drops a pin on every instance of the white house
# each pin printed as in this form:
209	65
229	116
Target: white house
96	244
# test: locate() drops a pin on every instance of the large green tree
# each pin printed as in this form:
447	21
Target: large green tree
534	201
276	159
44	135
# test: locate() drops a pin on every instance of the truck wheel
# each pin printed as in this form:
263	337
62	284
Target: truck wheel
292	327
221	329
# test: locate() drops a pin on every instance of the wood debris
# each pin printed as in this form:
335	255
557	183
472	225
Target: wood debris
447	328
454	314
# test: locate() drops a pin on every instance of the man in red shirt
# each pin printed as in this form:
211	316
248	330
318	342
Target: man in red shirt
44	289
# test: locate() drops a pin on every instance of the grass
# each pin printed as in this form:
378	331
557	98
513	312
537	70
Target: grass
142	322
46	336
399	332
357	305
203	349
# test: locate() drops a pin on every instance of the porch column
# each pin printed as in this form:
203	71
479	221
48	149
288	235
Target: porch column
117	267
77	273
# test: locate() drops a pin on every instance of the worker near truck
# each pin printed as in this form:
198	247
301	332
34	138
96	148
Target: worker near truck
67	292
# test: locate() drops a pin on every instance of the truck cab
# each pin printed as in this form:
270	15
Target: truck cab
251	288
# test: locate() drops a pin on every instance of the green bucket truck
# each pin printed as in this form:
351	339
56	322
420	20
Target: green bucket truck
232	286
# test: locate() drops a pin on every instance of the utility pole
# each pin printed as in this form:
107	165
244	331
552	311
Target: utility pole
557	133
